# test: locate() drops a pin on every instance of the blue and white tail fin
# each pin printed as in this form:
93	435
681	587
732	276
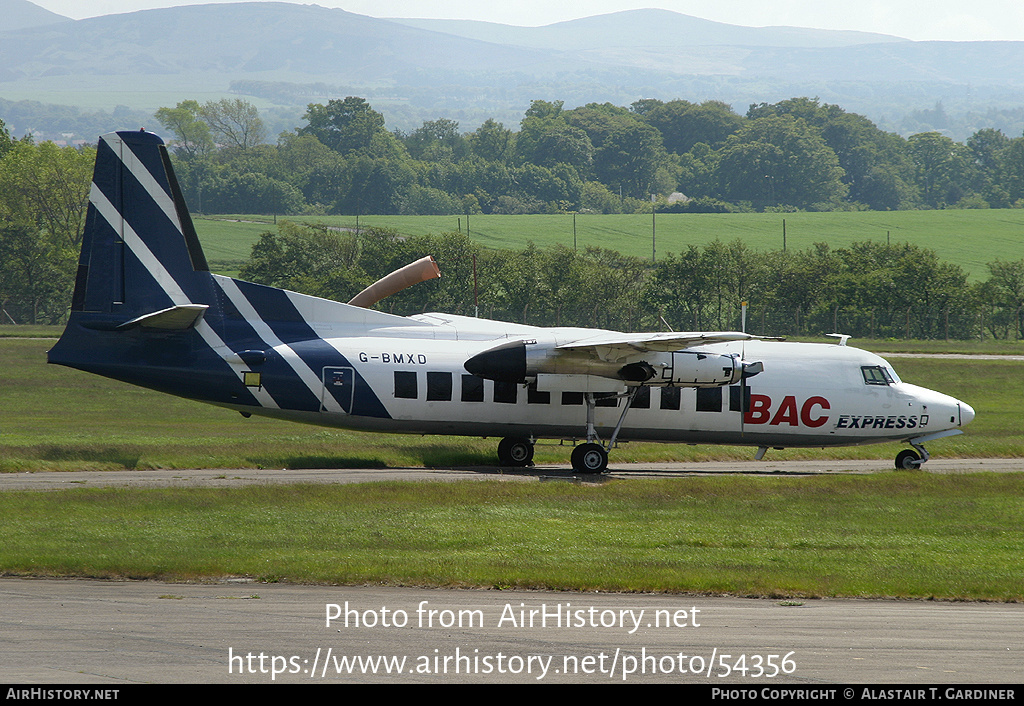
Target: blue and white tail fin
147	310
140	254
143	287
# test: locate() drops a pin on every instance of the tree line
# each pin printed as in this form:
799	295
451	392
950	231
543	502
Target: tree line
869	290
44	193
865	290
797	154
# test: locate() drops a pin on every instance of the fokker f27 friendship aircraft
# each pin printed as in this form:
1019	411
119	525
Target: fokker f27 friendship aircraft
147	310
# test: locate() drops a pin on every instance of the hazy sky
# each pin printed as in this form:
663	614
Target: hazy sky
913	19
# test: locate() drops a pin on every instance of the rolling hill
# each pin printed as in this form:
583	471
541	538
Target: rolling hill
243	39
288	55
19	14
645	28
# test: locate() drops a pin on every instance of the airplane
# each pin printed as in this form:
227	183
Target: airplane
147	310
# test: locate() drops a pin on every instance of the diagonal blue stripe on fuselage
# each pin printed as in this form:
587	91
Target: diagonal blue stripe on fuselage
279	313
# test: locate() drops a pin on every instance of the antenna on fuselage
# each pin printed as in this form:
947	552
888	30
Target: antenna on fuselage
843	337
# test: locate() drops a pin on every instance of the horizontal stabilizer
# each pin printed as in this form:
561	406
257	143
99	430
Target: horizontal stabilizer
175	318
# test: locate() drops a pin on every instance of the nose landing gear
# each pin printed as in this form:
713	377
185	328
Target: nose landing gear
908	460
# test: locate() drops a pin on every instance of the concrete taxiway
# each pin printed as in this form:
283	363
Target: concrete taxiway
54	480
107	632
102	632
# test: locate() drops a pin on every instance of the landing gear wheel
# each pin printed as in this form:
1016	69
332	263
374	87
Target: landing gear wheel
515	451
589	458
908	460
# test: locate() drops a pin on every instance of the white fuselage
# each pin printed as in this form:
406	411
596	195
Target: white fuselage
807	395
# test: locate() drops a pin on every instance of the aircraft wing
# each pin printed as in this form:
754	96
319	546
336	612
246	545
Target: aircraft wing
616	346
635	357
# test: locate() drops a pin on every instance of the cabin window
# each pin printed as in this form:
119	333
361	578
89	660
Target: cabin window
642	399
709	399
535	396
405	384
472	388
571	398
739	398
439	387
506	392
670	398
876	375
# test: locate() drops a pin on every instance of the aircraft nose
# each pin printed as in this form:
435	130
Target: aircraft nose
966	413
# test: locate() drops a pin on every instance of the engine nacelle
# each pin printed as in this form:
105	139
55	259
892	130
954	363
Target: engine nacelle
698	369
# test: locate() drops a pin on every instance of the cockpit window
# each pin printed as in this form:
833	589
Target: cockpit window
876	375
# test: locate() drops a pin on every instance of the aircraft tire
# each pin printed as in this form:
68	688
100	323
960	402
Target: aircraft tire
589	458
515	451
905	460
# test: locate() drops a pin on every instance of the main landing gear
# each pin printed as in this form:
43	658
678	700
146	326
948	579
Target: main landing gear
592	457
515	451
588	458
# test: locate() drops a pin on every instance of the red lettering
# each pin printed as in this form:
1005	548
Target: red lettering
787	412
805	411
759	411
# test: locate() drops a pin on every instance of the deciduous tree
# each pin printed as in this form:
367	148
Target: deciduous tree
234	123
191	133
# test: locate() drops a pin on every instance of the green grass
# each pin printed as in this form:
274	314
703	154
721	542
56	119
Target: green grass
972	347
894	535
54	418
227	242
969	238
30	331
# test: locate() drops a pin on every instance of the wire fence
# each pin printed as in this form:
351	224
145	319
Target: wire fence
922	323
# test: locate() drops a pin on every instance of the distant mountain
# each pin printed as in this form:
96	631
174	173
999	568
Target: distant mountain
18	14
286	55
304	43
646	28
240	39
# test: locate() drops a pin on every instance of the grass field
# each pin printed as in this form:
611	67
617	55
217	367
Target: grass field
969	238
888	535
